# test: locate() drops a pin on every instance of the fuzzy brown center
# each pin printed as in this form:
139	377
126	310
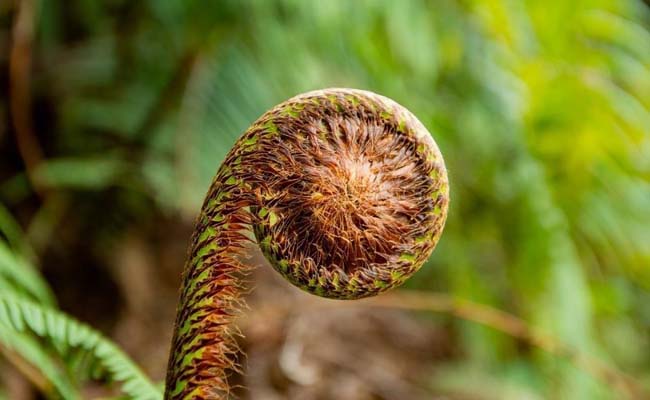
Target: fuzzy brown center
358	198
341	194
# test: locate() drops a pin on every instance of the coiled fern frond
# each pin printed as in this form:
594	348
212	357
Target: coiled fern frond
346	193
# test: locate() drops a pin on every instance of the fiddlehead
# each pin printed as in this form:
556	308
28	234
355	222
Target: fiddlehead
347	195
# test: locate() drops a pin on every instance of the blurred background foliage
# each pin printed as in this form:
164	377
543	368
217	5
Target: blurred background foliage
116	114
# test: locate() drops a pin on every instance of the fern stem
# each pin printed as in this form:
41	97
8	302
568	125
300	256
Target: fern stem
346	193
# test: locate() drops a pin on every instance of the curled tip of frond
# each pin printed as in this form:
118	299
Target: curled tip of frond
347	194
352	192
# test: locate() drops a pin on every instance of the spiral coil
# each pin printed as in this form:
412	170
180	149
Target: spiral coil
347	195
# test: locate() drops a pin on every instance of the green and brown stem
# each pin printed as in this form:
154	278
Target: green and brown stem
346	193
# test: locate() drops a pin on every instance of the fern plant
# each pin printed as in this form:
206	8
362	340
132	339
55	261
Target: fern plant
347	194
57	352
82	349
545	123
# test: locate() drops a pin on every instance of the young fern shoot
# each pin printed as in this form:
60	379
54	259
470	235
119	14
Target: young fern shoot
347	195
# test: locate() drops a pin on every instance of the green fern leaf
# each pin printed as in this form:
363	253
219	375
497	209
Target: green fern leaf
19	316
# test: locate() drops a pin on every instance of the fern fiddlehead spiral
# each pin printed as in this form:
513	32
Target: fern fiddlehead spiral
346	193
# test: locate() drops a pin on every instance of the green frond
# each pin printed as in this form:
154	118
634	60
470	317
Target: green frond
68	338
